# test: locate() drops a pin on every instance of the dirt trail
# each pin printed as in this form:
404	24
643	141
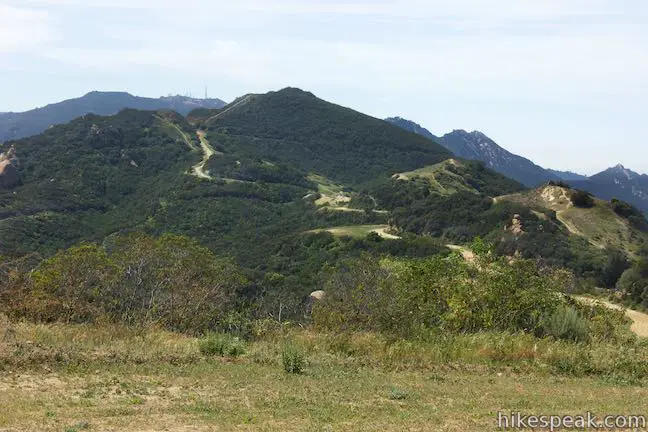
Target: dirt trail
184	136
639	319
243	101
198	170
382	232
466	253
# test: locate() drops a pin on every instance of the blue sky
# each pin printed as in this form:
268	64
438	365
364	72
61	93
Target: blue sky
562	82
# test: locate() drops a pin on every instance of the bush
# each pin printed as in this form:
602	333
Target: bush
398	394
293	358
222	345
134	279
407	297
566	323
617	263
582	199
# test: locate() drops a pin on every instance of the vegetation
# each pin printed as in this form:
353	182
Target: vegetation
293	358
292	127
634	282
136	280
582	199
453	176
635	217
223	345
55	376
117	261
410	298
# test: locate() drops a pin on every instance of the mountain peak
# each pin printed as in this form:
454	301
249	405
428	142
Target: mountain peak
622	171
411	126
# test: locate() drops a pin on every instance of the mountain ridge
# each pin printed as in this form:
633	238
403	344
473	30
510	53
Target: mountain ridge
476	145
17	125
616	182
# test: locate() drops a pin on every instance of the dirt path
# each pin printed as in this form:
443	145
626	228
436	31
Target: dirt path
198	170
382	232
466	253
180	132
639	319
243	101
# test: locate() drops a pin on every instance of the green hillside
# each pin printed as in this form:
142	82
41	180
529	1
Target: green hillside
283	183
156	172
452	176
91	177
292	127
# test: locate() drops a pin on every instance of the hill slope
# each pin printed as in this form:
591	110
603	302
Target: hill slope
265	180
476	145
452	176
293	127
567	175
98	175
19	125
91	177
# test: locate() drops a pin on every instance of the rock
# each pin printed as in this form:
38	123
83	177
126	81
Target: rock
317	295
9	175
516	227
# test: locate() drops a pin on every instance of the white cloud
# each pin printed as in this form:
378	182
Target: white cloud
473	10
22	29
544	61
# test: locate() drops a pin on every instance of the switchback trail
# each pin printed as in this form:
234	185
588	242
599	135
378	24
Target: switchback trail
198	170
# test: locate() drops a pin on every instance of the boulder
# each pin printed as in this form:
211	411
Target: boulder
317	295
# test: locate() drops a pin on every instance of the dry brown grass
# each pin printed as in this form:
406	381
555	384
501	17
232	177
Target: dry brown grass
151	380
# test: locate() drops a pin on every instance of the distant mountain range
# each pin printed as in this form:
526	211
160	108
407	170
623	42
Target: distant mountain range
617	182
477	146
567	175
28	123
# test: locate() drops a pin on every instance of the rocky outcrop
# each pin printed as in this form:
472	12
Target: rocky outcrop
9	175
516	227
317	295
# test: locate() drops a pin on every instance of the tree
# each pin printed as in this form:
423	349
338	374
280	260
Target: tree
73	285
582	199
616	264
136	279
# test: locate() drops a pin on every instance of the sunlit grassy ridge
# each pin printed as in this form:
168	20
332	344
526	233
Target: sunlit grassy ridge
599	224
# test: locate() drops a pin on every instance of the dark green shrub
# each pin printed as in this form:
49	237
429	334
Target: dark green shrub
406	297
223	345
398	394
582	199
566	323
293	358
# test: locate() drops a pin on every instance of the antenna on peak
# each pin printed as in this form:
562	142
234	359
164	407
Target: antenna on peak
206	93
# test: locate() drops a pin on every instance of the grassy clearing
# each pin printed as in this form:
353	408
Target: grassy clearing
326	186
359	231
442	180
60	377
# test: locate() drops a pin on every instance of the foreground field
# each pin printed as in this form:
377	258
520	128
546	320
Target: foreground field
73	378
244	396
